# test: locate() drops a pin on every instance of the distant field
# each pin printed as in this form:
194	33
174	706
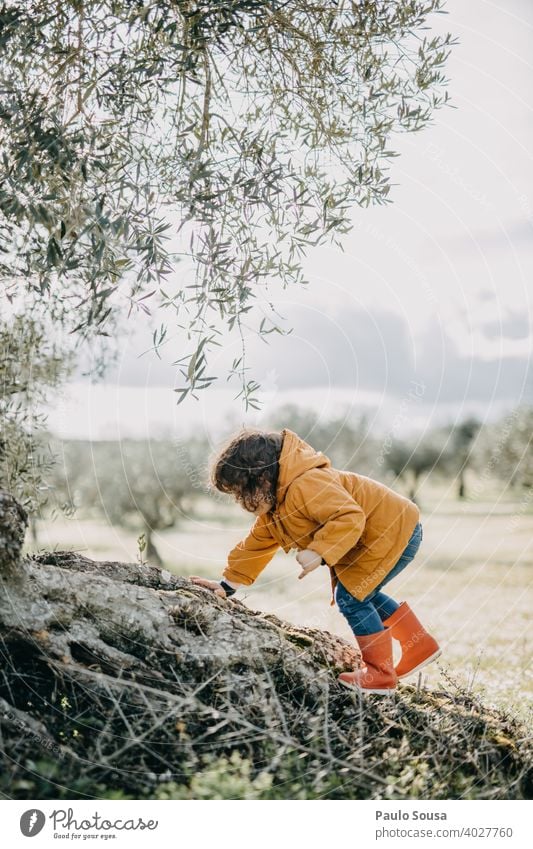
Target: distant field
471	582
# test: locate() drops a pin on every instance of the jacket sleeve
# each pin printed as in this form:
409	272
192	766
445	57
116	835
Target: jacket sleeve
341	520
250	556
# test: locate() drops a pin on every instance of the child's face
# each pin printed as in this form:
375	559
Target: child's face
263	505
262	508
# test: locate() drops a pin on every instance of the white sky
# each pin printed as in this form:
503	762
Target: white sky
434	289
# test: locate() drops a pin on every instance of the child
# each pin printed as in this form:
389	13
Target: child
362	530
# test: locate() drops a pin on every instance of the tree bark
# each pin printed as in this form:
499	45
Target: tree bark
13	524
123	675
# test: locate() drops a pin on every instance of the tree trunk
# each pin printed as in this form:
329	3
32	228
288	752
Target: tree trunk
123	676
34	531
414	487
13	524
151	554
461	493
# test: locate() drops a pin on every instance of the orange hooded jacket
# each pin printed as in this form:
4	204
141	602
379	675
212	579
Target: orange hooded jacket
359	526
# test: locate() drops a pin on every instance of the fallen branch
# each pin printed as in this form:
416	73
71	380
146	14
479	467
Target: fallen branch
119	678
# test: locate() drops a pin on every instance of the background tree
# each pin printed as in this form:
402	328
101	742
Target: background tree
31	366
144	486
459	454
230	135
345	440
410	460
504	449
71	486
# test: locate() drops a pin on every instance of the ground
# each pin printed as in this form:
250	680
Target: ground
470	583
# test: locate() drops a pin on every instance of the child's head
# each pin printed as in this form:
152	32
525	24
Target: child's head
247	468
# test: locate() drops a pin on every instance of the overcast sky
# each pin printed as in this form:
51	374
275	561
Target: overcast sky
432	291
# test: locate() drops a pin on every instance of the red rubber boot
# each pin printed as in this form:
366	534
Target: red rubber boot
418	647
379	675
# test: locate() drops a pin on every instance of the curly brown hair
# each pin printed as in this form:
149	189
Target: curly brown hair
247	467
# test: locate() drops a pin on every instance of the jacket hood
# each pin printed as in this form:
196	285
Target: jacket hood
296	457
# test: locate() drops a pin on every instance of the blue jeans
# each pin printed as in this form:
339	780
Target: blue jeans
365	617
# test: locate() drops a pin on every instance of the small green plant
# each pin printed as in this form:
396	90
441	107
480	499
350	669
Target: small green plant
224	778
141	545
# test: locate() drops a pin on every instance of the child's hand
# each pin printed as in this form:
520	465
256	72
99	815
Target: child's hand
308	560
209	585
